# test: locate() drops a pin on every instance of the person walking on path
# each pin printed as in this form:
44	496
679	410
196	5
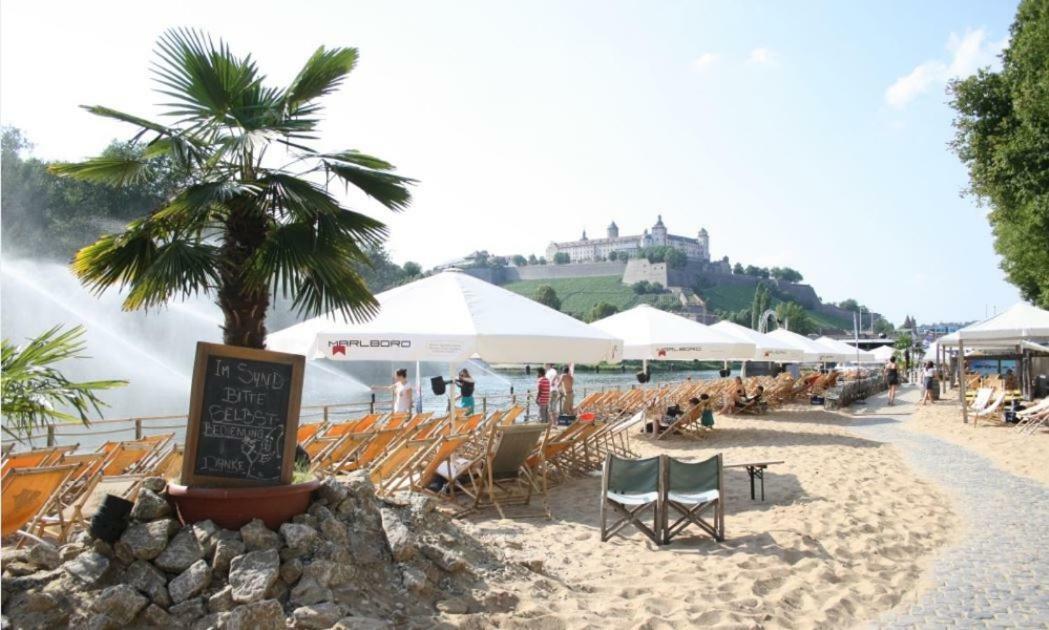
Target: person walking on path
542	397
554	377
892	379
928	378
466	389
567	392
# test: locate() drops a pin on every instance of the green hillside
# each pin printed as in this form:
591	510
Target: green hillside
579	295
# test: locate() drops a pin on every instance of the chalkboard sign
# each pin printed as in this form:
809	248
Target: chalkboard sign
243	417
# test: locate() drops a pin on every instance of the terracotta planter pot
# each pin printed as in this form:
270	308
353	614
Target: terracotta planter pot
232	508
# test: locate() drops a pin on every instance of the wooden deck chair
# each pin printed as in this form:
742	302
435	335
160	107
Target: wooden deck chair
169	466
338	450
395	420
980	400
689	490
372	446
28	494
68	517
503	476
630	487
36	457
126	456
686	422
360	425
6	449
306	433
511	415
442	452
390	472
87	465
990	410
1031	415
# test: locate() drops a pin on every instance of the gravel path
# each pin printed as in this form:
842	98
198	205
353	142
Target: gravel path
998	574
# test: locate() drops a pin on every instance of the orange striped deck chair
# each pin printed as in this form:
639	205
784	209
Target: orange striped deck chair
28	494
442	453
390	472
169	466
87	465
307	432
511	415
352	426
124	457
37	457
369	451
395	420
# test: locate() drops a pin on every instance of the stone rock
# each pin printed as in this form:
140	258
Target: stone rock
207	535
291	570
70	551
305	519
45	556
320	512
414	580
398	536
190	582
448	560
146	541
188	611
225	550
317	617
181	552
148	579
500	601
335	531
40	579
157	617
278	591
332	491
121	603
454	606
214	621
264	615
19	568
257	536
88	567
158	485
150	506
221	601
362	623
252	574
102	621
11	554
298	536
310	591
37	609
105	549
39	601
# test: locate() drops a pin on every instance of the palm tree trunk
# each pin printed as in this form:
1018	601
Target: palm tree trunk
243	304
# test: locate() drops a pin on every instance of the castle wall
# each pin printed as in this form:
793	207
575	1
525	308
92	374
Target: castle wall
570	270
640	269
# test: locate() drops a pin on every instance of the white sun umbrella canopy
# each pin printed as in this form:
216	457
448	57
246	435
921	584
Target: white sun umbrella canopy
814	352
883	353
846	352
1019	322
766	348
451	317
651	334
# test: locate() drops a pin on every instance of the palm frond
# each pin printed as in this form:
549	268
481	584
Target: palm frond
388	189
194	206
180	268
322	74
116	259
112	171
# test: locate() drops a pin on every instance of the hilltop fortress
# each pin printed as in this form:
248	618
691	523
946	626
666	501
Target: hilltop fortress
590	250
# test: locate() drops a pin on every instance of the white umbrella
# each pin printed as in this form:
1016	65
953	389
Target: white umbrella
847	352
814	352
883	353
1018	322
767	348
650	334
451	316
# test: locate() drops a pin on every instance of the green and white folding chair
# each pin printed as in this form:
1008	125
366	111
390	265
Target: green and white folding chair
630	487
689	490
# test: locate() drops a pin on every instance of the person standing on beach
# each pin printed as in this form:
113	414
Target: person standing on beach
466	389
402	392
892	379
567	392
928	378
554	377
542	397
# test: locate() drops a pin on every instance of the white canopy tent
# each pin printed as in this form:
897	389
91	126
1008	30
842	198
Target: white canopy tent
452	317
766	348
882	354
847	352
813	352
650	334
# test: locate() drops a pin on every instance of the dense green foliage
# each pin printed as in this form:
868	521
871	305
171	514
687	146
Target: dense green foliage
45	216
246	223
883	326
759	304
545	294
644	287
786	274
795	318
562	258
1002	136
674	258
32	389
601	310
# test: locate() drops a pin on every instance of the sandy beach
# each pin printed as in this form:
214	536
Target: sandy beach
1022	455
844	534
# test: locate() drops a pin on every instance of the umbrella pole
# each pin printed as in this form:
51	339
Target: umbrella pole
644	365
418	388
451	394
743	369
961	380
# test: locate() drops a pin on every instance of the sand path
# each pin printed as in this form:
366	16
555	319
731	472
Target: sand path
997	574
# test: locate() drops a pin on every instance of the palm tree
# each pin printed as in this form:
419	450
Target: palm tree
254	216
31	388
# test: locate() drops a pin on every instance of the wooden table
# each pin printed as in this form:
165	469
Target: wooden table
756	470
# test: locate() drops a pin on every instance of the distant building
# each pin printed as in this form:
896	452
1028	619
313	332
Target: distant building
587	249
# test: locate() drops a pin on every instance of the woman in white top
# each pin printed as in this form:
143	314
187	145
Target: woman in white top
928	380
402	392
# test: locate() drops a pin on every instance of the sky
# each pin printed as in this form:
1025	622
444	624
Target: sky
811	135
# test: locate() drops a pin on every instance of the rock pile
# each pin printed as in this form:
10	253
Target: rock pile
351	561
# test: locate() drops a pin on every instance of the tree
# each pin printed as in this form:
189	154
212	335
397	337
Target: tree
542	260
519	260
786	274
759	304
33	389
883	327
562	258
624	256
612	255
738	270
676	259
849	305
602	310
242	225
545	294
1002	137
641	287
794	316
412	269
498	261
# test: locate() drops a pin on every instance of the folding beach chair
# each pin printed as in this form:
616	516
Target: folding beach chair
1030	416
630	487
28	494
36	457
392	471
125	457
690	489
982	398
501	475
685	422
991	409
